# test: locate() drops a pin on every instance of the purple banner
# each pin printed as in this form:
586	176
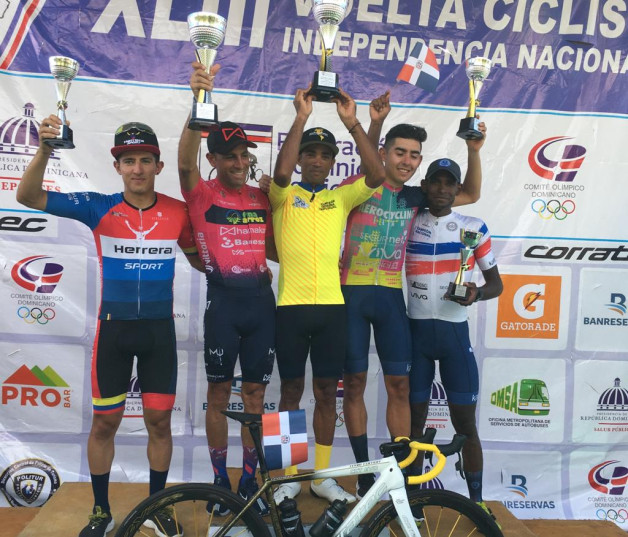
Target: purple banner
567	56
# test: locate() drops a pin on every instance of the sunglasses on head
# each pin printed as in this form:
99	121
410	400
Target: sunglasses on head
135	127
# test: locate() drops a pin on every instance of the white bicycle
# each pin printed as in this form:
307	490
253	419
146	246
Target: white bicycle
418	513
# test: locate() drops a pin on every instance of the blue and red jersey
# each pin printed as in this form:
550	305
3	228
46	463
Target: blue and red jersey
136	249
231	227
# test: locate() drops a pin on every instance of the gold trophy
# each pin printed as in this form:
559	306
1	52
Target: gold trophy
329	14
457	291
63	70
477	70
207	30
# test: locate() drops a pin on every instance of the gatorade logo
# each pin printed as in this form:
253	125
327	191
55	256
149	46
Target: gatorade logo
529	307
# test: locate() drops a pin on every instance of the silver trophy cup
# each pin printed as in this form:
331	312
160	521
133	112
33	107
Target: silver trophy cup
63	70
328	14
207	31
477	70
457	291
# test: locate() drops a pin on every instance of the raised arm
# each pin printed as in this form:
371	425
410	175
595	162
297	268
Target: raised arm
371	163
30	191
378	110
289	152
472	186
190	141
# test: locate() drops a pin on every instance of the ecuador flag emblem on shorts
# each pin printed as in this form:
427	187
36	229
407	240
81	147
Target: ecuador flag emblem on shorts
284	438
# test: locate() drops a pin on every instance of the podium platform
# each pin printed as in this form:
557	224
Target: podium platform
65	514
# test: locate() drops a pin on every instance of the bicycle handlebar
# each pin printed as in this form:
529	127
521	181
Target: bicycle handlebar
441	452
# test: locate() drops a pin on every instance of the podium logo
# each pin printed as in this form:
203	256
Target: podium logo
609	478
565	167
35	387
529	307
32	276
29	483
526	397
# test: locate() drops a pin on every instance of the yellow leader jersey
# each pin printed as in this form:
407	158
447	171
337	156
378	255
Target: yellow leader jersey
308	232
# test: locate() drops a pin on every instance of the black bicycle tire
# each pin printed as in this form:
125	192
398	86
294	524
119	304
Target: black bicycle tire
443	498
185	492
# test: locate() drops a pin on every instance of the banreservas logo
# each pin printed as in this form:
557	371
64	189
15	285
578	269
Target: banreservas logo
518	484
36	387
529	307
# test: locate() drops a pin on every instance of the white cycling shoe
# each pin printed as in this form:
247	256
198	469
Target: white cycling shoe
330	490
286	490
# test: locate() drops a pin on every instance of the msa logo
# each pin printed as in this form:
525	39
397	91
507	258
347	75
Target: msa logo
565	164
35	387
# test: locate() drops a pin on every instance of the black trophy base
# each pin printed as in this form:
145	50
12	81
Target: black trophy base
324	86
458	292
65	140
469	129
204	117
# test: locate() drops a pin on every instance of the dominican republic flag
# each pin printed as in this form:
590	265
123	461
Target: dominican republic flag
284	438
421	68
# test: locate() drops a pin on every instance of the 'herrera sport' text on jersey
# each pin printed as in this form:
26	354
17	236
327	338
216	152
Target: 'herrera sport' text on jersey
136	249
230	227
376	236
433	259
308	232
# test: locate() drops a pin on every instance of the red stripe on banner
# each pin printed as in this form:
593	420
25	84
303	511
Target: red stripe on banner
270	424
405	73
261	139
298	453
14	47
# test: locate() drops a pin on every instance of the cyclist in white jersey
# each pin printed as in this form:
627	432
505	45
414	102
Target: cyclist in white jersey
439	326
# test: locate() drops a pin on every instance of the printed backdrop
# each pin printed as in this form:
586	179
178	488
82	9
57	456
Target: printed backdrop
553	409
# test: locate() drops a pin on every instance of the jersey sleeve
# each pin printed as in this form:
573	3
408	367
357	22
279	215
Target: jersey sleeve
415	197
354	193
200	194
186	238
483	253
86	207
278	195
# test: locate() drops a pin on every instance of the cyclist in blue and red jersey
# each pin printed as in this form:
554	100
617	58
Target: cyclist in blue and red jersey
372	264
438	324
233	232
136	233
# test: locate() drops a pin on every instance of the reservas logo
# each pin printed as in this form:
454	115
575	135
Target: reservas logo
529	307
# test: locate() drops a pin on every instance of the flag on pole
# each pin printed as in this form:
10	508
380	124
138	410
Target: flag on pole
421	68
284	438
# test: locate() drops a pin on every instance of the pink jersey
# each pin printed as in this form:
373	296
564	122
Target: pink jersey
231	227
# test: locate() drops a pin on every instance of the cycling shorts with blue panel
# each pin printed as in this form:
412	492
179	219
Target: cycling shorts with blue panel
385	309
447	342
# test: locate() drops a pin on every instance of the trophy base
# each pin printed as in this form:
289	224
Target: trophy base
65	140
469	129
457	292
204	117
324	86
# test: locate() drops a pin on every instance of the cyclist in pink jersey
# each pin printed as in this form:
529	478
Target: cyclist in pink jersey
233	231
135	234
374	252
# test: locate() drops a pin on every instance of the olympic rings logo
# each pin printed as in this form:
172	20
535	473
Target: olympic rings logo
340	419
553	208
614	516
36	315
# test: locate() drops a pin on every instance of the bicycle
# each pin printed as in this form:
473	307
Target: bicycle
441	512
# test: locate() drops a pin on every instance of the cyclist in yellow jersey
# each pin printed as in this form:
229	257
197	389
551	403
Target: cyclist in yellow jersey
311	319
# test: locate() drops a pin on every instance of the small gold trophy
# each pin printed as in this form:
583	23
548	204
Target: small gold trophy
477	70
63	70
207	30
457	291
329	14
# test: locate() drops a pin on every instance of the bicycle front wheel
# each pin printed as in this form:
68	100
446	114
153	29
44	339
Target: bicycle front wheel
438	513
185	506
